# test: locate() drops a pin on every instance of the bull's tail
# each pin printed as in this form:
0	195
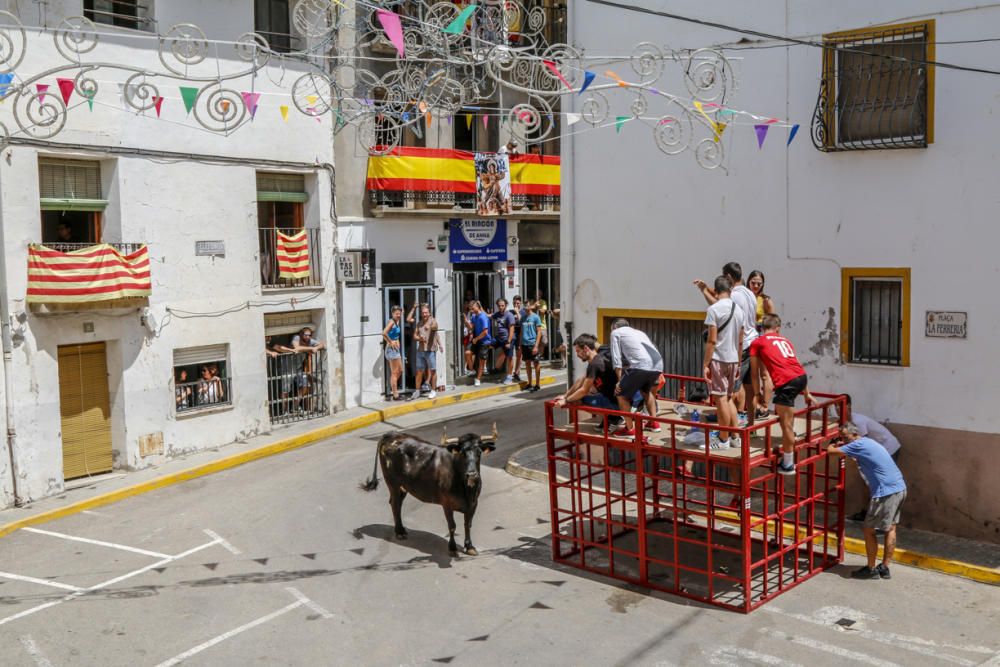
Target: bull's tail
372	483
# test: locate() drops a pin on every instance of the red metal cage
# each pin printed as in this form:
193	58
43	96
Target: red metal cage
666	511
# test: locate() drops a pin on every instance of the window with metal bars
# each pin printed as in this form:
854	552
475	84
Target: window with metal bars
877	312
877	89
124	13
272	20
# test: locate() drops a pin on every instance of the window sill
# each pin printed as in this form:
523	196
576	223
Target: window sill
289	288
884	367
198	412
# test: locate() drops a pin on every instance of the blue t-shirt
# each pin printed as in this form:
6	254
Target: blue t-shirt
504	323
480	323
877	467
529	329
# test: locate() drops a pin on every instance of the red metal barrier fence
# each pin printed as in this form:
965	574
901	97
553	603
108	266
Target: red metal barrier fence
668	512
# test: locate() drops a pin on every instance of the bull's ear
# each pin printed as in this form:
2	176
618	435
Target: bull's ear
453	447
487	445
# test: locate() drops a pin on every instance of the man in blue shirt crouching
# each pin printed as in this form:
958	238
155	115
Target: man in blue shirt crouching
888	491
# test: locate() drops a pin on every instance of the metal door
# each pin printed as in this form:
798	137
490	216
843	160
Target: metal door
482	286
680	343
542	282
404	296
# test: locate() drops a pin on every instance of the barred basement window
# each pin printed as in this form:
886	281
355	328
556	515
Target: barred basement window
877	90
875	316
125	13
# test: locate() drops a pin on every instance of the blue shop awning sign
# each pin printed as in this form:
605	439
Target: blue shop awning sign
480	240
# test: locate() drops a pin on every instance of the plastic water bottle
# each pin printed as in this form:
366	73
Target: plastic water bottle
695	416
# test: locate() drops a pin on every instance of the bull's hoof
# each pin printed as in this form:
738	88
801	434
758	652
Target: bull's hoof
471	551
402	535
453	553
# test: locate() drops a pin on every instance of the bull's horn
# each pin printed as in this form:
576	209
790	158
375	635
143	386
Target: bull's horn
493	436
445	440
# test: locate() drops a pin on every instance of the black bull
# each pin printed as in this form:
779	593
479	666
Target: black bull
445	475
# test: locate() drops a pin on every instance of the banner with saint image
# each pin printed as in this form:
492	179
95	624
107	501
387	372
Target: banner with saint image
493	184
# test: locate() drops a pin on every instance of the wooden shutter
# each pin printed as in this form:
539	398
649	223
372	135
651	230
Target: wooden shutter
204	354
85	410
276	324
281	187
69	179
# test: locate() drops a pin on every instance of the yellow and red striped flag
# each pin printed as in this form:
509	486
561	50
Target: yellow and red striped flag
96	273
293	255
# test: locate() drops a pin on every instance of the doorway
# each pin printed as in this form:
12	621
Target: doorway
476	283
542	281
404	296
84	409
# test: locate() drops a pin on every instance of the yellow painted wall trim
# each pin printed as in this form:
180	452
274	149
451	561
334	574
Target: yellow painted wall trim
847	274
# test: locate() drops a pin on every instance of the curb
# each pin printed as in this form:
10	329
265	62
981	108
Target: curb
264	451
977	573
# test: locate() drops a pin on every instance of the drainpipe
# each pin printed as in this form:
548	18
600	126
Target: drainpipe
567	222
8	356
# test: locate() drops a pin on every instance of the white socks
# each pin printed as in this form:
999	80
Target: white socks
787	459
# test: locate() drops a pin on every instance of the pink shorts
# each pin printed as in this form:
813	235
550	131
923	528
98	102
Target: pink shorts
723	377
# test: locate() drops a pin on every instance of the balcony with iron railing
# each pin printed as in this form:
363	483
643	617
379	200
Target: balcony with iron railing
69	277
411	180
290	258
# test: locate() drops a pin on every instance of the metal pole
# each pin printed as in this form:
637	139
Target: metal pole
8	356
567	219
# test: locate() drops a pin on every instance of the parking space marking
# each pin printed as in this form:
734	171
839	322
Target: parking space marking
105	584
177	659
100	543
914	644
309	603
222	542
43	582
32	648
844	653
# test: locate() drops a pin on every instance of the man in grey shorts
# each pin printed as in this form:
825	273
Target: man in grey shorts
888	493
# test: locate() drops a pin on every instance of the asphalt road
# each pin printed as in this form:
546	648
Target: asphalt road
286	562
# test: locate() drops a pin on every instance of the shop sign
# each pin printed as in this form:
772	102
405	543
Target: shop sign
477	240
946	324
356	268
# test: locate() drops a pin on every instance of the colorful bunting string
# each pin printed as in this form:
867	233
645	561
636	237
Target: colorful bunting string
393	30
157	104
588	78
284	112
5	81
189	95
457	27
468	121
65	89
572	119
41	88
251	100
619	121
555	70
791	135
761	131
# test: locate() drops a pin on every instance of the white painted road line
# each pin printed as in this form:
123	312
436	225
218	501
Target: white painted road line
177	659
225	544
100	543
309	603
732	656
905	642
844	653
32	648
43	582
93	513
110	582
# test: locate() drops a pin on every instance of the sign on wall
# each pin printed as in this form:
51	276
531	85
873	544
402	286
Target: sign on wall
477	240
356	268
946	324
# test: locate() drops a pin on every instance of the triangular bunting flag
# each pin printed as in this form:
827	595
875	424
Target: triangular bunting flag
251	100
719	129
225	106
457	27
393	30
616	78
41	88
619	122
588	78
157	104
791	135
65	89
468	121
572	119
284	112
450	118
761	131
189	95
486	121
427	117
90	99
312	99
555	70
5	81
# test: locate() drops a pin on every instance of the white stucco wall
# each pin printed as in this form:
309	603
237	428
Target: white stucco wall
168	204
647	223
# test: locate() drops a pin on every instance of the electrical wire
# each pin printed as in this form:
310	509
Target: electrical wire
793	40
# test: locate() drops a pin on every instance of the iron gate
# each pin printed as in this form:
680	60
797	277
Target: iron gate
404	296
482	286
542	282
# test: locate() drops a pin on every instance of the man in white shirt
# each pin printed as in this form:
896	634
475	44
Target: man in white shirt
510	148
639	365
724	341
868	427
747	302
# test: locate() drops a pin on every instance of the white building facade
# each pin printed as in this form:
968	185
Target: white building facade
881	262
207	190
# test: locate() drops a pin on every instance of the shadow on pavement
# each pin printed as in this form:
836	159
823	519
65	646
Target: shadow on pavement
433	546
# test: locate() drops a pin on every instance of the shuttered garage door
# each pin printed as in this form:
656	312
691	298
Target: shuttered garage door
679	341
83	406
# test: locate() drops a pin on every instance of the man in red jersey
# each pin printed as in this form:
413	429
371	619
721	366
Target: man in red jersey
777	355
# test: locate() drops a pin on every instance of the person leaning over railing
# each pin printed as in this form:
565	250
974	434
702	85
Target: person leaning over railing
306	346
182	390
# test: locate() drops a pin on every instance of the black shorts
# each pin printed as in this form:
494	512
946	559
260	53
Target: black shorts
638	380
481	349
528	353
788	392
744	376
504	345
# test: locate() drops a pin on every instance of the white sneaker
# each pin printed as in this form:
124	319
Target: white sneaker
735	442
476	382
508	380
431	394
